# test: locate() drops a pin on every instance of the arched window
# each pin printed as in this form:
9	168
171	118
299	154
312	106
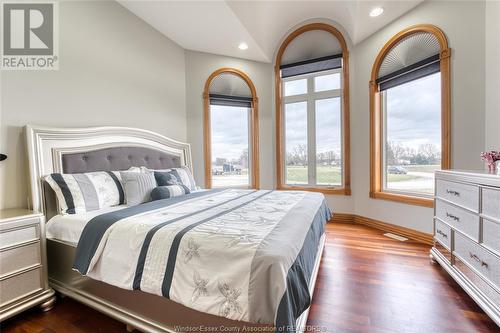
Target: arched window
410	115
312	110
231	130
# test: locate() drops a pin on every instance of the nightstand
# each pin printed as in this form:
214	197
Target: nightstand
23	269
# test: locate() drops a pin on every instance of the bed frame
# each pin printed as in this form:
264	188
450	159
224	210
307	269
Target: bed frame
73	150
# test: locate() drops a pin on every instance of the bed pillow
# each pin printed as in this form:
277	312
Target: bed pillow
166	178
137	187
82	192
183	176
170	191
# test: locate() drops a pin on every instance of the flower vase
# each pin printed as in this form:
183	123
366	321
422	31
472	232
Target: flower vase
492	168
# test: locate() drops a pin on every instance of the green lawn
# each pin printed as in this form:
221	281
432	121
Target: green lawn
325	174
332	174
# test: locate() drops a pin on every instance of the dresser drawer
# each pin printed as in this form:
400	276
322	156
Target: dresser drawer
458	218
19	258
461	194
19	235
478	282
20	285
484	262
491	235
491	202
442	233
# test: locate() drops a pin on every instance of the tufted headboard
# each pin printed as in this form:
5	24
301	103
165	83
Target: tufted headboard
76	150
118	158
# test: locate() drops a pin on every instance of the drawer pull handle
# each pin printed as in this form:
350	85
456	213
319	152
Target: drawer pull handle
476	258
451	216
455	193
441	233
473	256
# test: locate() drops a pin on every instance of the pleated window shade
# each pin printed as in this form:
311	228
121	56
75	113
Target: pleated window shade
414	57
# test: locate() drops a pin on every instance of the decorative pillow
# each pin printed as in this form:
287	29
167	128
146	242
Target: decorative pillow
165	178
182	174
166	192
137	187
83	192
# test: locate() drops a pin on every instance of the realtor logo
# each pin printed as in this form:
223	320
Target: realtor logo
29	36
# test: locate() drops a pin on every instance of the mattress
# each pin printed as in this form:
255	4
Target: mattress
68	227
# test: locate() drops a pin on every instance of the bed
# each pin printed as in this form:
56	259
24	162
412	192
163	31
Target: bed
256	252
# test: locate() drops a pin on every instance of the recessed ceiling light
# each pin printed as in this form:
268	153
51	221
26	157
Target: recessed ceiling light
243	46
377	11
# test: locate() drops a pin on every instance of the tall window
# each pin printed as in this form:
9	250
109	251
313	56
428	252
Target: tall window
230	141
231	152
313	114
410	115
313	129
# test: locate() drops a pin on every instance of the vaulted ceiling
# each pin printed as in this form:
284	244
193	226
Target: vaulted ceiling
218	27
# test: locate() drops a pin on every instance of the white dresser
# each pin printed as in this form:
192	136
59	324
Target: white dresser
23	270
467	234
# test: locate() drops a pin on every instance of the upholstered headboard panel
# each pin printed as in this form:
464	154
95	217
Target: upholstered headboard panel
118	158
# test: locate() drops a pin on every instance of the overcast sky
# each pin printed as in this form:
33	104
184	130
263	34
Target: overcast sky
415	118
328	124
229	131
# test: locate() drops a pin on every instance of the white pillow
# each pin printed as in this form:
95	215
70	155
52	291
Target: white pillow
83	192
137	187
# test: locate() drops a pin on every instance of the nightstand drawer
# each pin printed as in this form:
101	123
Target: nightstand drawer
491	203
458	218
19	235
484	262
461	194
20	285
19	258
442	233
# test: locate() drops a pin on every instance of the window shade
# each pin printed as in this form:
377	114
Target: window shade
311	66
225	100
413	72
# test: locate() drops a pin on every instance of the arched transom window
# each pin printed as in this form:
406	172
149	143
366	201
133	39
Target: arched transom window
410	115
231	130
312	110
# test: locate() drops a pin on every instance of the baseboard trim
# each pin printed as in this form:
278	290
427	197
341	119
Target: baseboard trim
415	235
342	218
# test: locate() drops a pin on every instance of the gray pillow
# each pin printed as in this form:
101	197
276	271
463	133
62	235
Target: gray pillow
169	191
137	187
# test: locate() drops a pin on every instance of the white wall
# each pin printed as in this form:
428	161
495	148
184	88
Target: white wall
463	24
114	70
199	66
492	75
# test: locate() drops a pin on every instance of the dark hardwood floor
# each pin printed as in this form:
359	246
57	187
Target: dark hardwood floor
366	283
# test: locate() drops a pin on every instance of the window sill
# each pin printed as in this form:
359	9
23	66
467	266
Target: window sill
403	198
324	190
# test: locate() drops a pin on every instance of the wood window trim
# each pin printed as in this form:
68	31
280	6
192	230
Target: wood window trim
254	127
376	121
281	185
